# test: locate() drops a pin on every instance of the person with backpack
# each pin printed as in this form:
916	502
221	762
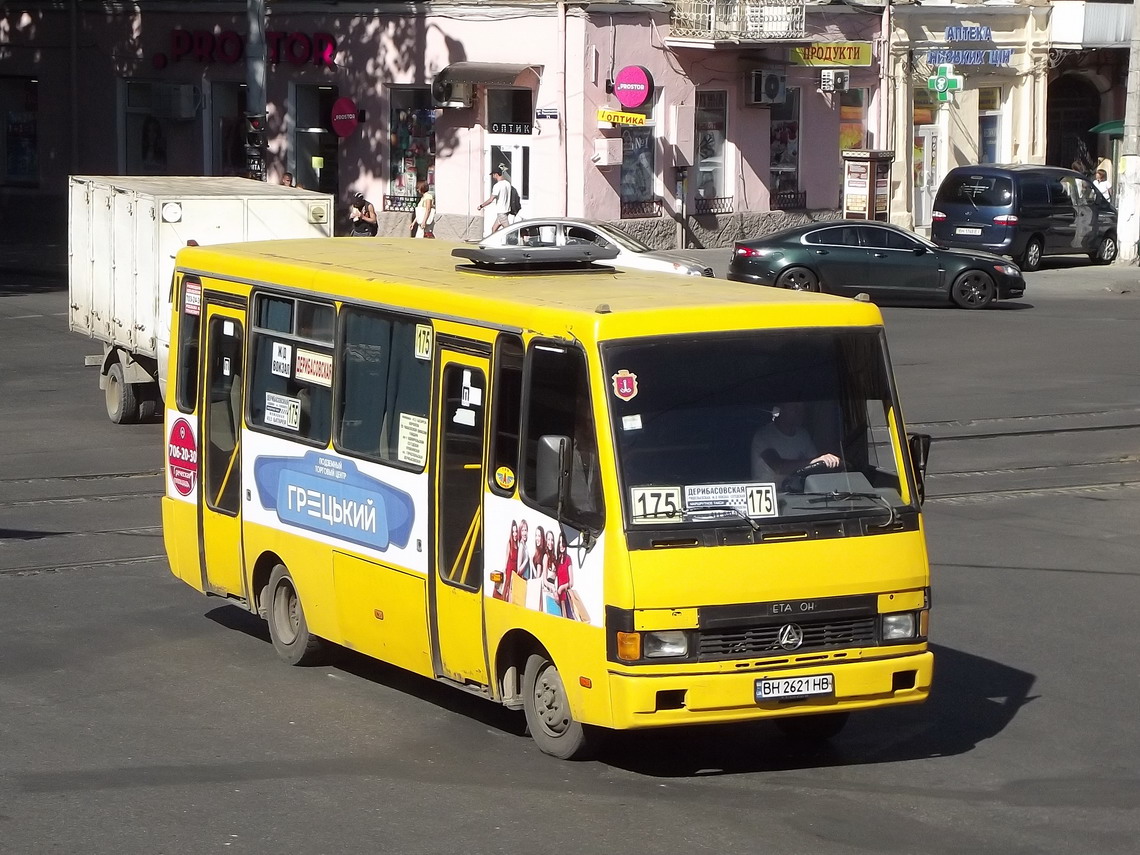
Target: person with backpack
504	197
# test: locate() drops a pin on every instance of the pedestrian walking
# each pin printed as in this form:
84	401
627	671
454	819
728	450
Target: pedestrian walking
501	198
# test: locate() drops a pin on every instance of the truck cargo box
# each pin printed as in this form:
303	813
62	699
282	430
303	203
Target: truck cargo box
123	235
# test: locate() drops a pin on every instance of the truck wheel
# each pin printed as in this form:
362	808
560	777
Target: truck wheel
287	625
548	716
122	405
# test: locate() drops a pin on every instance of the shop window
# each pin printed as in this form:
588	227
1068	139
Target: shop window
412	129
639	164
924	107
317	146
19	101
712	196
784	185
853	119
990	143
147	126
510	111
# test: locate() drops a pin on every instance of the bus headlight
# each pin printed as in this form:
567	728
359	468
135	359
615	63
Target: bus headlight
671	643
899	627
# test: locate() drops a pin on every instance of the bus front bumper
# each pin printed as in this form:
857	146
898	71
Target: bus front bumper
668	700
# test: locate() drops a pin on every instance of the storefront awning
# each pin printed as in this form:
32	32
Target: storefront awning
1113	128
494	73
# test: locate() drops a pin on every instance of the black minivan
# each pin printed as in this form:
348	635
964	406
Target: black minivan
1024	211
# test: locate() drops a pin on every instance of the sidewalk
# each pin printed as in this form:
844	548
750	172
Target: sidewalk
33	237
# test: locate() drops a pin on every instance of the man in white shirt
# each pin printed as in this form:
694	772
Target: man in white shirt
782	446
501	197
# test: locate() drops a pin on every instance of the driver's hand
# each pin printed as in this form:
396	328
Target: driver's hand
831	461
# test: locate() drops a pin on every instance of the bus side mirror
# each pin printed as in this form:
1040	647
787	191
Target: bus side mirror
919	444
552	468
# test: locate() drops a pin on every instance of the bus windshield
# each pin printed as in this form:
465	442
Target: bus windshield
756	427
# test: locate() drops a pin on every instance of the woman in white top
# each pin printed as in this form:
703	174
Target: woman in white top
424	226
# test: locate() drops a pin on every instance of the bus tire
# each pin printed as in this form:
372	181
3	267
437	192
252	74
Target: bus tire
813	728
548	716
287	625
122	405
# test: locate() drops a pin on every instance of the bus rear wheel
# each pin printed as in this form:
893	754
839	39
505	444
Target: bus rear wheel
287	625
548	717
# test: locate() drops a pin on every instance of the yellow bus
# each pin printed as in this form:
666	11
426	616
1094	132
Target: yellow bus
613	500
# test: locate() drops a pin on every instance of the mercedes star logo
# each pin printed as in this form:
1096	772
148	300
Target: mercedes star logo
791	636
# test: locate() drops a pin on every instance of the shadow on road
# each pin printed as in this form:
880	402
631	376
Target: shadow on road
15	284
973	700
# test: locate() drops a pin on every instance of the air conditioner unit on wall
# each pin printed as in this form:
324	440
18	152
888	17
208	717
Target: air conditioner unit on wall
445	93
834	80
765	86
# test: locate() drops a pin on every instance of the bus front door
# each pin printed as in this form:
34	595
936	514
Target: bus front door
457	583
220	411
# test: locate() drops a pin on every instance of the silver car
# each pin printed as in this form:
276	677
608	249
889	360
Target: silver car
563	231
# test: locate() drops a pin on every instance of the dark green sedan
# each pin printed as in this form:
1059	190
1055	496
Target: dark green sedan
883	261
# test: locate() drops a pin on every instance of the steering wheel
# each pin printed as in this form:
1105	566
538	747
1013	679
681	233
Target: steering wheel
794	483
810	469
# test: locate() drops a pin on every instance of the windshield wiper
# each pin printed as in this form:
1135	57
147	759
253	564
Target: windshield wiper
715	512
845	495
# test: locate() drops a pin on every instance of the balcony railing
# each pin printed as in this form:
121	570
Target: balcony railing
713	205
789	200
638	210
738	20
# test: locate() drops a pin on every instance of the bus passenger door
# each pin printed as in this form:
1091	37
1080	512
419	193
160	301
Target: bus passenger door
220	410
457	580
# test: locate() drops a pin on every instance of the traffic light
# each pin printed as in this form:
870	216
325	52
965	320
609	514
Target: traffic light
255	145
255	129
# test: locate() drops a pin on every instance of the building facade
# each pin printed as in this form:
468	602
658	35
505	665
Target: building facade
694	122
734	132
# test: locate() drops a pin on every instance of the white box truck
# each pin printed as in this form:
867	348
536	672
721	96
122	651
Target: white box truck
123	235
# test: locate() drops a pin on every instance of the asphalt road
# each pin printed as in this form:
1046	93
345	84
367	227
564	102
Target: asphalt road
139	717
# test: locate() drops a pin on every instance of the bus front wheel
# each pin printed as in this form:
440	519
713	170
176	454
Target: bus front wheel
287	626
548	716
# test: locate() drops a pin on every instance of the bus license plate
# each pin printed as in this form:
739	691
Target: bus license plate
968	231
782	688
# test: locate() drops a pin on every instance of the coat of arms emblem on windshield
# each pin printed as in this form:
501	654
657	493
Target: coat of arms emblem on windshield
625	385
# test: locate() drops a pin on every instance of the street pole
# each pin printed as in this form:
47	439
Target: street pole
255	64
1128	189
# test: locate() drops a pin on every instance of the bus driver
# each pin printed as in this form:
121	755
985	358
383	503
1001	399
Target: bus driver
783	445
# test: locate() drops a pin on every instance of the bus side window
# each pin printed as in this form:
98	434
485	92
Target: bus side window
507	404
291	377
384	387
189	330
557	402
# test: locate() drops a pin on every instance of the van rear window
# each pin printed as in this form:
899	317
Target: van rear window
980	190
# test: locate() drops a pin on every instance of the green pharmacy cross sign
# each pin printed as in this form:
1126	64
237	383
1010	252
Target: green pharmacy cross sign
944	82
